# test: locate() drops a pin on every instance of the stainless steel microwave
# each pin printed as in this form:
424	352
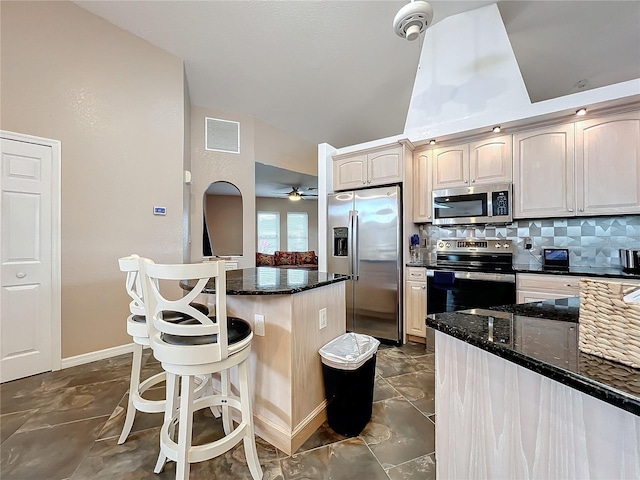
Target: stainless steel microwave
472	205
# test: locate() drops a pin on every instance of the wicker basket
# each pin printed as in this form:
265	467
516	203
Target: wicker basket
609	326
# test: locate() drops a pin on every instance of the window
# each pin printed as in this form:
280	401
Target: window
268	232
297	232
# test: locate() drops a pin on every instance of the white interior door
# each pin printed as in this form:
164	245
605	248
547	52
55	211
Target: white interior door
26	303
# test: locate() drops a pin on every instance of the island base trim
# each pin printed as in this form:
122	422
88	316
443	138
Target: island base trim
281	437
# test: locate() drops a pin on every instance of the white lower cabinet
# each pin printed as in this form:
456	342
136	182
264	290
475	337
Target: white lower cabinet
534	287
415	304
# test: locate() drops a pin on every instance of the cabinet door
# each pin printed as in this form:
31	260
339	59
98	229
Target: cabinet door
608	165
451	166
534	287
543	170
350	172
416	308
491	160
422	187
529	297
385	167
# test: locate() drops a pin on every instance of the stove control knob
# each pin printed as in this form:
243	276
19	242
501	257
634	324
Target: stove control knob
498	245
506	245
441	244
448	244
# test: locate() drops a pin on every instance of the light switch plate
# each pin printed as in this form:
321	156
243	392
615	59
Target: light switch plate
259	325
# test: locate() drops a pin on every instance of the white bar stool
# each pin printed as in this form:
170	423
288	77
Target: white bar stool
203	345
137	328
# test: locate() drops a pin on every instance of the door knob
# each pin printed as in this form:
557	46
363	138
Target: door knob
21	274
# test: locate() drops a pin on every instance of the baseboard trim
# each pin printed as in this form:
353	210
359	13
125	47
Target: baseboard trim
97	355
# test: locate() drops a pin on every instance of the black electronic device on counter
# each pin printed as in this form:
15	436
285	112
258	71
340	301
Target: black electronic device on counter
555	258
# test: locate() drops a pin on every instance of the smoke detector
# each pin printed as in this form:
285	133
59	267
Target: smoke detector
413	19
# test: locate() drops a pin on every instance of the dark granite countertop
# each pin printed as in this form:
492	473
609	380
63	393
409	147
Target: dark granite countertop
582	271
543	337
273	281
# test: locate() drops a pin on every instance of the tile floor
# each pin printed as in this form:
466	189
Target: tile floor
64	425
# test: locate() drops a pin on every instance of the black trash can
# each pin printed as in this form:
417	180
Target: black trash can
349	367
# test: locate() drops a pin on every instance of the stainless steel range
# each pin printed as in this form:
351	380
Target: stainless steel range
471	273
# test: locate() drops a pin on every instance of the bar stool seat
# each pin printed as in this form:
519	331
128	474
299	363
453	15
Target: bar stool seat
237	329
198	346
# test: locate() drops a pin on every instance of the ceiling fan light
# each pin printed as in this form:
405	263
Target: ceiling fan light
294	196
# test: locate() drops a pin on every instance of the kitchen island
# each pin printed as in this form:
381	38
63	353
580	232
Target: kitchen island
285	367
515	398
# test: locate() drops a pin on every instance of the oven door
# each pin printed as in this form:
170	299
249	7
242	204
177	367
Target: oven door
449	291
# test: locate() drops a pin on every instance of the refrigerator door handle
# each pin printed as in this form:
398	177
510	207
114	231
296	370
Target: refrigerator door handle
350	242
356	252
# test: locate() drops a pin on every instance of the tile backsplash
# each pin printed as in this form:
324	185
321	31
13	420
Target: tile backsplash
592	241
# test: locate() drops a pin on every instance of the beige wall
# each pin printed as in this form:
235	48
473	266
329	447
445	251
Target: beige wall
117	105
186	191
280	149
259	142
224	221
236	168
283	206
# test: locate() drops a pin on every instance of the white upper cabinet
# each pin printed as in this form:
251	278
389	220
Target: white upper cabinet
490	160
608	165
377	167
590	167
350	172
477	163
422	186
451	166
543	165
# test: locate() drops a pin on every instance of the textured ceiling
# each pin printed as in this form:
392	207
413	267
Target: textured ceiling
327	71
335	72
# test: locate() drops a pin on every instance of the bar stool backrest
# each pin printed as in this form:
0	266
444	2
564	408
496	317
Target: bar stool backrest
201	274
131	265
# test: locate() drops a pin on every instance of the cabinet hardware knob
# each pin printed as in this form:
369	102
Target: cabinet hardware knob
21	274
423	288
473	181
570	209
466	181
581	209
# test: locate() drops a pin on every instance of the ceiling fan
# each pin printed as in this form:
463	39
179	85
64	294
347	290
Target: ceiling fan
295	194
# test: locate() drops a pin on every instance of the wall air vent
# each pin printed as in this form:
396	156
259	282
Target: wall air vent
222	135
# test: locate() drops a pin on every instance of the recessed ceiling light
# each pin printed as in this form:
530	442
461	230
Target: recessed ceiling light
496	129
432	142
582	111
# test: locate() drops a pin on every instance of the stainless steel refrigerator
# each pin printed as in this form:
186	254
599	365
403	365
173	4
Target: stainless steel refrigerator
364	229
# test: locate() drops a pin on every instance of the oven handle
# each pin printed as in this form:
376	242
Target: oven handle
484	276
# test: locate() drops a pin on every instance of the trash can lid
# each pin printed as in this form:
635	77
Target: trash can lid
349	351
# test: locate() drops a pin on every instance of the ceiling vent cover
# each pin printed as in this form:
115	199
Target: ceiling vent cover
222	135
